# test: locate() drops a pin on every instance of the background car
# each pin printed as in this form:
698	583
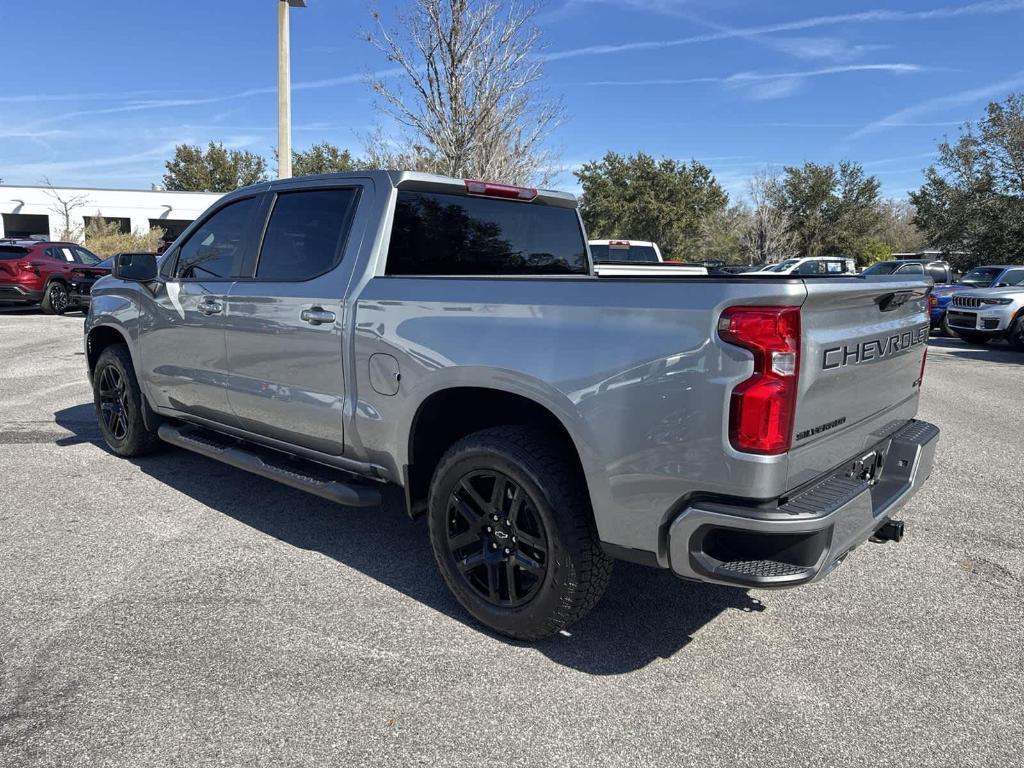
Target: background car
940	272
995	276
981	315
47	273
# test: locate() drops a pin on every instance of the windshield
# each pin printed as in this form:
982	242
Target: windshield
981	277
883	268
636	253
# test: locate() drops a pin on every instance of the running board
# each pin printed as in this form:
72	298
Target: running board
318	479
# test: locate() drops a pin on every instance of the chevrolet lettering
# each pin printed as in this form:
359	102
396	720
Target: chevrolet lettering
875	349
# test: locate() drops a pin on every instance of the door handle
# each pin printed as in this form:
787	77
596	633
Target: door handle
210	307
317	316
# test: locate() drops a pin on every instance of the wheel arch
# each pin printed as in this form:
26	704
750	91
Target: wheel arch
451	413
98	339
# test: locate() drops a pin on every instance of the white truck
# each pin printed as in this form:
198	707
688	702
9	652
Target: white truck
623	258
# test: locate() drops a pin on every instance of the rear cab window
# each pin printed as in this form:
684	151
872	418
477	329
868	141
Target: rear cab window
449	234
642	254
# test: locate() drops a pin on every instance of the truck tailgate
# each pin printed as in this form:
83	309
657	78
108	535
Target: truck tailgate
863	340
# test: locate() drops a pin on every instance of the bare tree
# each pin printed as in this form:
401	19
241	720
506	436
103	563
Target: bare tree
64	206
470	90
768	238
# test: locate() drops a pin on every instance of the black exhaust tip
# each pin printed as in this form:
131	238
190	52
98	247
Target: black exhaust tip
891	530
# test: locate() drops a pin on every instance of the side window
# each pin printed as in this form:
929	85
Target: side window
85	257
212	252
911	269
1013	277
810	268
305	234
53	253
443	234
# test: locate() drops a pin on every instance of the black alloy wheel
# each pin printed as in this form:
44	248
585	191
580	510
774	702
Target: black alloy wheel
497	538
56	300
119	405
513	532
113	398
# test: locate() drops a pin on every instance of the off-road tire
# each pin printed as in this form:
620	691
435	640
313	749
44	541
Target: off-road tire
577	569
130	437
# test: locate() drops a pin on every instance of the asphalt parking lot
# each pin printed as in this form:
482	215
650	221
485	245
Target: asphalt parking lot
174	611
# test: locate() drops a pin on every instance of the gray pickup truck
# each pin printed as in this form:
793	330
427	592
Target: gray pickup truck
337	333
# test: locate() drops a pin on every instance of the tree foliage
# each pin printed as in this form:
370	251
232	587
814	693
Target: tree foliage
832	209
640	198
105	238
469	95
324	158
973	197
767	235
215	170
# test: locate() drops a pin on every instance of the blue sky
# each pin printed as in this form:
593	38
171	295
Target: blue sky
101	98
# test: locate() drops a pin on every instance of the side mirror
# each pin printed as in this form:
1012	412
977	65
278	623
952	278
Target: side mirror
138	267
1002	285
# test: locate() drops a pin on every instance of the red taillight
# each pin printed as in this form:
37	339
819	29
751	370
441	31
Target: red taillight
763	407
490	189
27	266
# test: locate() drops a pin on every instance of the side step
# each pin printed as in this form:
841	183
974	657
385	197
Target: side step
320	480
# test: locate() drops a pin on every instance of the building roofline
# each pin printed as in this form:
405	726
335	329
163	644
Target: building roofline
113	189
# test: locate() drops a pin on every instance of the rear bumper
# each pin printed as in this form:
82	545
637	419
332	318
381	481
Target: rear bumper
15	292
805	536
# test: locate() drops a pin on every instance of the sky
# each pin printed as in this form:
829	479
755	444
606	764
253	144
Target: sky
104	91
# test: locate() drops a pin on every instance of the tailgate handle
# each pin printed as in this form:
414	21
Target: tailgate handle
888	302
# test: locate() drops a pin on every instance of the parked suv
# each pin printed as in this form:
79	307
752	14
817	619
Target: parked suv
338	332
996	276
979	316
47	273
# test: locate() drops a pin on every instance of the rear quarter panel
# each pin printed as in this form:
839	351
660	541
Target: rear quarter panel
632	368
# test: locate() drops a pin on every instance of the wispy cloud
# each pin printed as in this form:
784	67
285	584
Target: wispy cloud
939	103
881	15
164	104
58	167
764	85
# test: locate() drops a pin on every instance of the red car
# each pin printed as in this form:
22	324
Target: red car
55	275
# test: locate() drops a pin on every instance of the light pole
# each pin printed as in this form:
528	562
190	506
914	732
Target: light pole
284	88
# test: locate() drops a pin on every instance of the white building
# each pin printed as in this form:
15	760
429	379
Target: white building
28	211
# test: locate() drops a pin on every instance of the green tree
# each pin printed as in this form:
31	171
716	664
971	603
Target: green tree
972	199
215	170
832	209
324	158
725	234
640	198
